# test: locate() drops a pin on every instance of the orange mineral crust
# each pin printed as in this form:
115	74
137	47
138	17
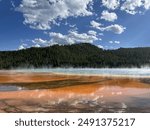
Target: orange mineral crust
47	92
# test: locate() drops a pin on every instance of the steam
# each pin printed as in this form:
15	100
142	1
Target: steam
144	71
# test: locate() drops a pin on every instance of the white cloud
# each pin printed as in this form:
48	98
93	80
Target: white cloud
94	33
111	42
100	46
72	26
57	38
95	24
130	6
147	4
117	42
114	42
109	16
41	14
72	37
22	46
12	4
91	32
115	28
39	41
100	34
118	29
134	6
36	45
111	4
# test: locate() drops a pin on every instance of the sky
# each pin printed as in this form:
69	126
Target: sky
108	24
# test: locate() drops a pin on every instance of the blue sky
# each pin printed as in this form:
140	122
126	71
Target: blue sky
108	24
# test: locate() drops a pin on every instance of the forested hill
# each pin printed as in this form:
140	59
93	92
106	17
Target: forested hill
77	55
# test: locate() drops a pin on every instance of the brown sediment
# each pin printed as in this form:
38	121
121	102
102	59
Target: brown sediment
15	77
45	87
62	84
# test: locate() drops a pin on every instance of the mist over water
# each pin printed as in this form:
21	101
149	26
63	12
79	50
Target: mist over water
131	72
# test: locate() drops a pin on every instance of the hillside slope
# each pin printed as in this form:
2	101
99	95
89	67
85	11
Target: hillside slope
77	55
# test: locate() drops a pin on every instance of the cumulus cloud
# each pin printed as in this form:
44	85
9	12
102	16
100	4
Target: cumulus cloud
134	6
109	16
147	4
41	14
115	28
111	4
118	29
39	42
94	33
130	6
72	37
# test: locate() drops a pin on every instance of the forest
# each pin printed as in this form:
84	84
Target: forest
76	55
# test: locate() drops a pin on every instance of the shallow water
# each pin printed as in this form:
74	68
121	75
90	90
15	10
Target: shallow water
44	92
79	99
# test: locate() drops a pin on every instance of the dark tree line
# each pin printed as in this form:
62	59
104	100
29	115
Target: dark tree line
77	55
